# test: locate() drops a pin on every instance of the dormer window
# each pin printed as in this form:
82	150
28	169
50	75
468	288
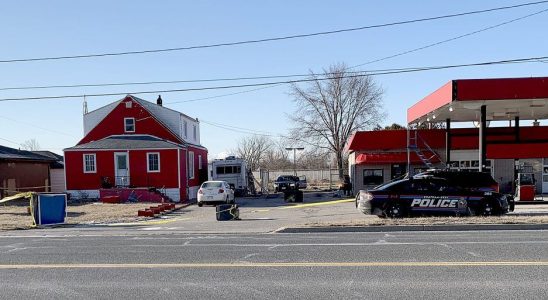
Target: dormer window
129	124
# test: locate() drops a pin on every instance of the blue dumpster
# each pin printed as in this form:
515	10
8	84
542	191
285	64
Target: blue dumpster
49	209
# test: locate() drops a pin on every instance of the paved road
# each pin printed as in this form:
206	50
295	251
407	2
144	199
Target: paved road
158	264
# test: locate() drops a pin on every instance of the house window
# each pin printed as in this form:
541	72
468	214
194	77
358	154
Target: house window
191	165
199	162
129	124
89	163
128	104
185	129
194	132
153	162
373	176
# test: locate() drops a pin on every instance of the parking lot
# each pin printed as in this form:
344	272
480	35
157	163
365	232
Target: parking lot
263	215
268	214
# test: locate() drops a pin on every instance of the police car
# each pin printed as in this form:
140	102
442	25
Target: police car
428	195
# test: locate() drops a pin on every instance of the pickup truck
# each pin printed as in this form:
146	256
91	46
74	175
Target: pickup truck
289	182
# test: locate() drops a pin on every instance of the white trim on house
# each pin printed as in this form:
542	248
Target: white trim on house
148	162
126	125
94	163
179	168
199	161
119	180
190	165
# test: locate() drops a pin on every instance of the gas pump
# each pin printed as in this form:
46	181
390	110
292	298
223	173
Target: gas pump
525	186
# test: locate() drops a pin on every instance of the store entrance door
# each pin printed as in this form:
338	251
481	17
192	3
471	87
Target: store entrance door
545	176
398	170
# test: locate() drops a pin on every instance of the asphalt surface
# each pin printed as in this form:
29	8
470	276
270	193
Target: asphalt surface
128	265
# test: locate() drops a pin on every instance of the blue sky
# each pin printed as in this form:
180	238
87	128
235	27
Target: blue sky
56	28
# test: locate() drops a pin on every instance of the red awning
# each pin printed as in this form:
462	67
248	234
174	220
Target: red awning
394	158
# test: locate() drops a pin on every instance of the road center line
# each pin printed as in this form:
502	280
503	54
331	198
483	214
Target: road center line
277	265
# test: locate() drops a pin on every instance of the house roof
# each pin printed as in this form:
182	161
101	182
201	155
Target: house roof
127	142
7	153
59	162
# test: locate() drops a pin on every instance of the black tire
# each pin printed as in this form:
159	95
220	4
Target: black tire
487	209
395	209
200	204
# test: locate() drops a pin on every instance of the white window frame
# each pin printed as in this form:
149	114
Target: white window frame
194	132
125	125
191	169
128	104
199	162
148	162
94	162
185	129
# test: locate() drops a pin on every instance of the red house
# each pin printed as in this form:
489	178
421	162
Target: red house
135	145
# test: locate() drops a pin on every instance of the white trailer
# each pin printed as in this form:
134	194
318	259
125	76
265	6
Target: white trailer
234	171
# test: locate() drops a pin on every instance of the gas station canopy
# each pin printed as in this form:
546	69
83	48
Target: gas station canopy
503	98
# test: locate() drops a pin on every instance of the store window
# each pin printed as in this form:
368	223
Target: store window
373	176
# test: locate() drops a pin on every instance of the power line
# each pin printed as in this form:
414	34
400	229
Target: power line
16	143
358	74
280	38
386	57
452	39
251	131
268	76
32	125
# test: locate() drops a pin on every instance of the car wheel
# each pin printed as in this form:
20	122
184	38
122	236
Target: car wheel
395	210
200	204
487	209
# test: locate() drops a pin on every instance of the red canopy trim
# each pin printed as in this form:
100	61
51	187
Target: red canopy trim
393	158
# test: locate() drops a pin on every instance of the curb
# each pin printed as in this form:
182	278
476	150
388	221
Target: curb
461	227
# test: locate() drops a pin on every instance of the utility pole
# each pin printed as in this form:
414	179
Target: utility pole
294	157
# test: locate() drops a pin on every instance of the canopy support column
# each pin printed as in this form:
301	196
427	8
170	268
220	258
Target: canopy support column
447	142
483	139
516	128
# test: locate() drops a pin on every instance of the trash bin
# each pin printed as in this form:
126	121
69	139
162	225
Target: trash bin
293	196
48	209
227	212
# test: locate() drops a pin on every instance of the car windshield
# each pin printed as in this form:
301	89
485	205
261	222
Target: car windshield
212	184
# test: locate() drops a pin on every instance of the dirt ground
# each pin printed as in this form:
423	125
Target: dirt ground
440	221
16	216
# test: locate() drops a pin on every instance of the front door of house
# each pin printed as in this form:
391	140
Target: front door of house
121	168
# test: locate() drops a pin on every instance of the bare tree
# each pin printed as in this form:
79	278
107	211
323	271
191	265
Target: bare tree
30	145
253	150
330	110
276	158
394	126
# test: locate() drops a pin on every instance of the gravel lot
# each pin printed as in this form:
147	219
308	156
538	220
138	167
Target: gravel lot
266	215
16	216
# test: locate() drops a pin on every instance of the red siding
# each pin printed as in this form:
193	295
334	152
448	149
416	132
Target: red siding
74	169
139	177
462	139
501	151
198	151
167	177
437	99
113	124
502	88
183	177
